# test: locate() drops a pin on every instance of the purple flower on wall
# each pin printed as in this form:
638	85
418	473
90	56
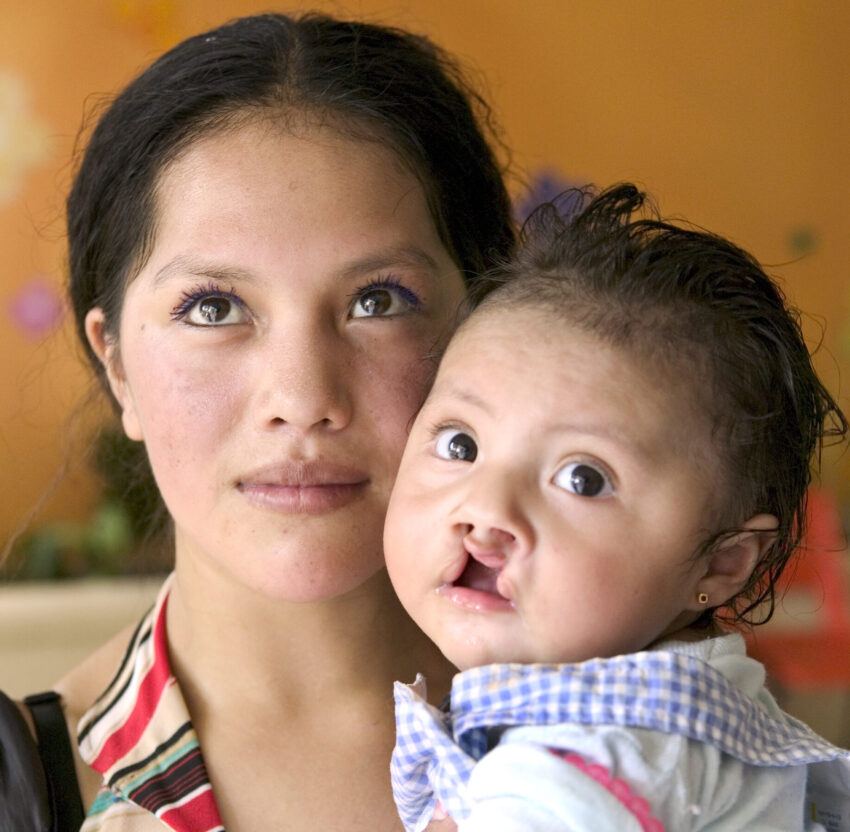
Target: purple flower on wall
37	308
545	185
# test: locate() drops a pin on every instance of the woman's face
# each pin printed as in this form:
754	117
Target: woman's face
272	351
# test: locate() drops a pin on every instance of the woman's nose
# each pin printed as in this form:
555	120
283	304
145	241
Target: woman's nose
304	380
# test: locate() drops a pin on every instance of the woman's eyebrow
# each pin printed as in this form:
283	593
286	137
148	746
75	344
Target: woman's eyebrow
405	256
396	256
183	265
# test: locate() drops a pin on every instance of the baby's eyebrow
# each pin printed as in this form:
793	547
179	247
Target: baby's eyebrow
611	433
453	391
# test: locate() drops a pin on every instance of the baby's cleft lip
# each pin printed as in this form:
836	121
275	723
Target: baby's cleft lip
491	558
475	584
486	551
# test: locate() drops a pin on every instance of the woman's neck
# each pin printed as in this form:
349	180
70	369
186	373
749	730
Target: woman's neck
233	647
302	690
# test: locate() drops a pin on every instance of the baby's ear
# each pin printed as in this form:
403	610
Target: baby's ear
731	564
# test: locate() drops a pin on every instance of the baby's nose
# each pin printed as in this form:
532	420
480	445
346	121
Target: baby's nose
491	536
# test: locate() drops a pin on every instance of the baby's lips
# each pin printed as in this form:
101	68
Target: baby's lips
455	569
490	556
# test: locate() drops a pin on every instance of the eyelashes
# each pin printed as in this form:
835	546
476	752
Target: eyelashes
209	304
190	298
392	283
385	297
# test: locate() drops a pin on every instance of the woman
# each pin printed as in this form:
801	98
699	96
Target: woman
269	232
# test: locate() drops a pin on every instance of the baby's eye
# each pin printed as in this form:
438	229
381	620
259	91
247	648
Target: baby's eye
584	480
382	299
210	308
455	444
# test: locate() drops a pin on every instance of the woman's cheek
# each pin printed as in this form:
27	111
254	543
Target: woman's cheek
402	390
185	407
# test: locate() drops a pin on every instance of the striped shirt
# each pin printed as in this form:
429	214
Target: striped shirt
139	736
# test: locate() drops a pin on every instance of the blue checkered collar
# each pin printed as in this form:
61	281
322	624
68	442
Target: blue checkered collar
663	690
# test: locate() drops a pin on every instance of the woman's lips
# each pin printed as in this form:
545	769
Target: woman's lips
303	487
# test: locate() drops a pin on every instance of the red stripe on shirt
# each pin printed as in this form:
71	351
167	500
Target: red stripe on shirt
150	691
196	815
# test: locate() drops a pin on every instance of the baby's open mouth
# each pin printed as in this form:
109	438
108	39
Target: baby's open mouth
477	586
477	576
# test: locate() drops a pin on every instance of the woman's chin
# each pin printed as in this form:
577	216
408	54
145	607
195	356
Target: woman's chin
304	583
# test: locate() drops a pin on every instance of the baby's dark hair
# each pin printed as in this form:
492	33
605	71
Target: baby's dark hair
682	299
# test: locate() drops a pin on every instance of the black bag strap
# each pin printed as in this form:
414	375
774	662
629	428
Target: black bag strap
24	804
57	758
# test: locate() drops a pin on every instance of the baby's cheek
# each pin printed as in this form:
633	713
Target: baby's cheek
402	549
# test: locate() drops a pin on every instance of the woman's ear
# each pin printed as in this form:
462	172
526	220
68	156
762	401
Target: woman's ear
731	564
105	348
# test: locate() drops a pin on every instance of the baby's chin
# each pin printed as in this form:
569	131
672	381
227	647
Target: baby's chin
465	657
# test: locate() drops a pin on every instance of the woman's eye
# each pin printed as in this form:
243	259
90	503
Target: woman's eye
383	299
209	310
584	480
455	444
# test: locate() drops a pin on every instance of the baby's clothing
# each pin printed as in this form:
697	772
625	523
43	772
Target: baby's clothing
683	737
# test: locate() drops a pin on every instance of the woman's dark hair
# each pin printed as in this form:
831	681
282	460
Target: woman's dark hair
370	81
686	300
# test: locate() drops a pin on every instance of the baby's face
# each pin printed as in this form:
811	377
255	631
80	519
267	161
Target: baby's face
549	501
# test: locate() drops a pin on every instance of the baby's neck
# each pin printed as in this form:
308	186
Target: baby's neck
690	633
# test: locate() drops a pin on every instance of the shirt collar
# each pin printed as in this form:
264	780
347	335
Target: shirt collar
139	735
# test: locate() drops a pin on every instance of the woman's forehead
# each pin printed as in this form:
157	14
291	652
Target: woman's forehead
267	184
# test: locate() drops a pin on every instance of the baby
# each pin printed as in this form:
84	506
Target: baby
614	458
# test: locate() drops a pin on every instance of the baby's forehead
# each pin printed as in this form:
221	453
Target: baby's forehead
517	323
654	340
674	384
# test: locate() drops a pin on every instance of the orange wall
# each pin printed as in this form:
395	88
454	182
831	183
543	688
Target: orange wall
735	115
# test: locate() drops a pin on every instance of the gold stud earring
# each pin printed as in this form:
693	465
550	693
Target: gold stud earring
702	598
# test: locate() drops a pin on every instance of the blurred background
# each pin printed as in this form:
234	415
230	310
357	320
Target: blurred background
734	115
